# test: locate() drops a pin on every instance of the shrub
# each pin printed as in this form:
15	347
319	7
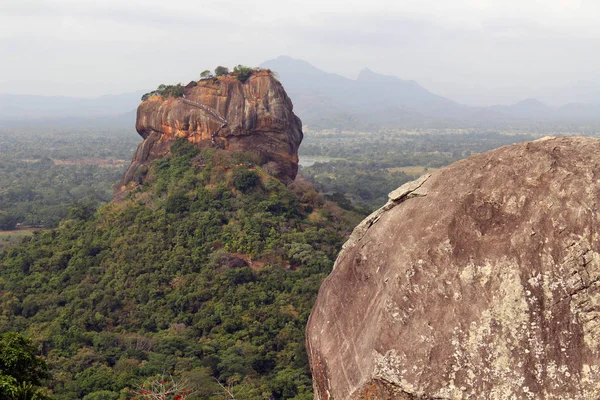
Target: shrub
102	395
221	70
183	147
242	72
244	180
165	91
20	369
82	210
177	203
8	221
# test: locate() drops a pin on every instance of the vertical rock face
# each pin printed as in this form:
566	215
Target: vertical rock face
481	281
254	116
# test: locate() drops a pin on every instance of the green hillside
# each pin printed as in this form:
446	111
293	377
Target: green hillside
207	271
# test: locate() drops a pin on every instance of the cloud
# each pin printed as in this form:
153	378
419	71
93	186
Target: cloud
125	13
472	50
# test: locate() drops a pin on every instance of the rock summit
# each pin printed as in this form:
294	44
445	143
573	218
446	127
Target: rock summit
253	116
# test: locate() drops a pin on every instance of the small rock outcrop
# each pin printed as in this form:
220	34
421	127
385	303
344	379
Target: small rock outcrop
255	116
481	281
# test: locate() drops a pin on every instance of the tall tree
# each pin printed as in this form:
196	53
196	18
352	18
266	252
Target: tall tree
221	70
21	371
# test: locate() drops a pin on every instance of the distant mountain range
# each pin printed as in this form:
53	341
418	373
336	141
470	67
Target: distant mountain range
322	100
27	107
369	92
61	111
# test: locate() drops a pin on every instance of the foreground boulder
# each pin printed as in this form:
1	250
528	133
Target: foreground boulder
255	116
481	281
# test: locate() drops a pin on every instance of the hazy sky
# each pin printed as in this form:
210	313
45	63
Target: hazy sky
473	51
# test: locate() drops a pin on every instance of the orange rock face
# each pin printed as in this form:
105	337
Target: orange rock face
255	116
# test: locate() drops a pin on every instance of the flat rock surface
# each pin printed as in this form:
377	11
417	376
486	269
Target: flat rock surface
485	285
255	116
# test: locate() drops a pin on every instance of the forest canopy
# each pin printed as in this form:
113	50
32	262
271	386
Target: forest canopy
208	269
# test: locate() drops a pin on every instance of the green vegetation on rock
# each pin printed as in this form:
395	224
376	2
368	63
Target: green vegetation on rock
221	70
242	72
165	91
208	269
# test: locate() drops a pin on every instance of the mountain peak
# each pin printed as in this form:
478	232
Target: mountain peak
287	64
366	75
324	99
531	102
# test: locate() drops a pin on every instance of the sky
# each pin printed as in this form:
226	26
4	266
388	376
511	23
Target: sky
477	52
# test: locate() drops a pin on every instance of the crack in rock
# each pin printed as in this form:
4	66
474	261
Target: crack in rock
407	191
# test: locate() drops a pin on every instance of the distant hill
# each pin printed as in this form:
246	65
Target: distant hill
580	112
320	96
33	107
533	109
587	92
529	108
327	100
125	122
368	90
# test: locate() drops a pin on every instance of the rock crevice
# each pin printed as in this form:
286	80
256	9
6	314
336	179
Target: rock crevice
404	192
